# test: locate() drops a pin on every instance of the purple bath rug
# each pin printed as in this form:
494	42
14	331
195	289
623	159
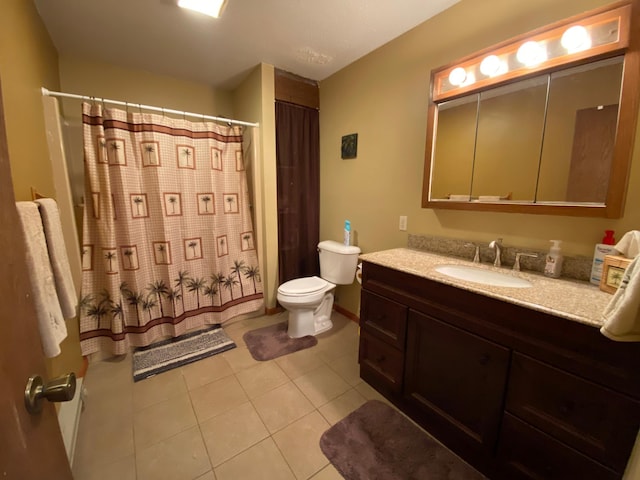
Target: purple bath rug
376	442
273	341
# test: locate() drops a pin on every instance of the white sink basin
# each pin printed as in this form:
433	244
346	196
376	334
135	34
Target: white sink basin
480	275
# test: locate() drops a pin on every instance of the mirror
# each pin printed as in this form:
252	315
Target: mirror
558	142
509	134
580	130
545	139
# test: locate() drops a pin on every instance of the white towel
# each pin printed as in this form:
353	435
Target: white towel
629	244
65	288
43	290
622	315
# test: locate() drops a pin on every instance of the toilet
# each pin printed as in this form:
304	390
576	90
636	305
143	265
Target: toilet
309	300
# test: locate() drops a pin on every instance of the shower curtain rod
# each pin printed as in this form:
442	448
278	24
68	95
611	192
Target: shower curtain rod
47	92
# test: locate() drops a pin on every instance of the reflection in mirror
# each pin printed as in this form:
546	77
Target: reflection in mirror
580	133
509	138
454	149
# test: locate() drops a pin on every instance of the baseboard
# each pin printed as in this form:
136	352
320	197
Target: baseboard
346	313
69	419
273	311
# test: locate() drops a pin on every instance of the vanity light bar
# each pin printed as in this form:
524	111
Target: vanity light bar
558	45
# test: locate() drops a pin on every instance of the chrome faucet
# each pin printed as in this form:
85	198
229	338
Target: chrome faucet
497	246
476	257
516	265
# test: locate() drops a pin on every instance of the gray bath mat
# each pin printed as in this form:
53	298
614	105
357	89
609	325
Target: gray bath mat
174	352
375	442
271	342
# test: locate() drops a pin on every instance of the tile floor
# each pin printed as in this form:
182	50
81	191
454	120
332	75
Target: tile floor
225	417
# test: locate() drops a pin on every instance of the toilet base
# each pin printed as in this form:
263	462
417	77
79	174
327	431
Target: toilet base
311	322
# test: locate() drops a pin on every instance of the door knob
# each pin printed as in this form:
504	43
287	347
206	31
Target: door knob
61	389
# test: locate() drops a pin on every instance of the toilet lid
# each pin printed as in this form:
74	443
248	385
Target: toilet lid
303	286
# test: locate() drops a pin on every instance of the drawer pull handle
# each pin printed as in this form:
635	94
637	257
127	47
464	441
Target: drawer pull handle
380	359
567	407
484	359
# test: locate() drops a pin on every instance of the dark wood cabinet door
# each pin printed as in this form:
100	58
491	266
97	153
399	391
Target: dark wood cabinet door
526	453
455	382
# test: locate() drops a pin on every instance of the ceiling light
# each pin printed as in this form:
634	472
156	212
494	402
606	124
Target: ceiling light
213	8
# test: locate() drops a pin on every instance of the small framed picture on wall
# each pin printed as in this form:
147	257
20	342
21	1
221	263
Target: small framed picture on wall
350	146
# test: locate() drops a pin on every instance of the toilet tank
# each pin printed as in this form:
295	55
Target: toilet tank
338	262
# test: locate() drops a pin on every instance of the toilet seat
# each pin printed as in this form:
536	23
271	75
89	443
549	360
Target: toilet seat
300	287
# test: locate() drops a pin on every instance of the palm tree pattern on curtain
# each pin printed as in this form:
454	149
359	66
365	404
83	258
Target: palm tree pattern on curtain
168	241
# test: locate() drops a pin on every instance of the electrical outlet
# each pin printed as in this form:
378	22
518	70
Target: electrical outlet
403	222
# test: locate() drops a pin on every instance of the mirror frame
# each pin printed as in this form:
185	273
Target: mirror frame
625	132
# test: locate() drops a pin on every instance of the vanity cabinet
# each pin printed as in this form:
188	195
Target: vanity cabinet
516	392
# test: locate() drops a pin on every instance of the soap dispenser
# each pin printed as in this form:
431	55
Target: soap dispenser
553	265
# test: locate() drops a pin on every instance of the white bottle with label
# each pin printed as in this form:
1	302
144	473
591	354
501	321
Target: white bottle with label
553	265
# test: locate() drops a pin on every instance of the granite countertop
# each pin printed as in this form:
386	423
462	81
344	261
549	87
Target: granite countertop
574	300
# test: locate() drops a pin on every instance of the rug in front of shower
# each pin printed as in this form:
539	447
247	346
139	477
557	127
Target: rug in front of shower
175	352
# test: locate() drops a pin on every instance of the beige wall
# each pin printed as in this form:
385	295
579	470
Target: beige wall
384	97
87	77
28	61
254	101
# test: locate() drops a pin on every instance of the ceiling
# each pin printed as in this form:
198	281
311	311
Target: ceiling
311	38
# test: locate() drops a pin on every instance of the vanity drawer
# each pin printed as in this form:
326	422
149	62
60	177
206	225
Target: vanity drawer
525	452
383	318
380	360
596	421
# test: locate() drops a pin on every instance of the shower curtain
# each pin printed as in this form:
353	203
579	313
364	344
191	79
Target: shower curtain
168	242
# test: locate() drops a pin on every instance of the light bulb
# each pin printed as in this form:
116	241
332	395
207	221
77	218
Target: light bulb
457	76
531	54
490	66
208	7
576	39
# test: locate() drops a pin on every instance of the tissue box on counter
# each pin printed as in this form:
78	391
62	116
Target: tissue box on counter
613	270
